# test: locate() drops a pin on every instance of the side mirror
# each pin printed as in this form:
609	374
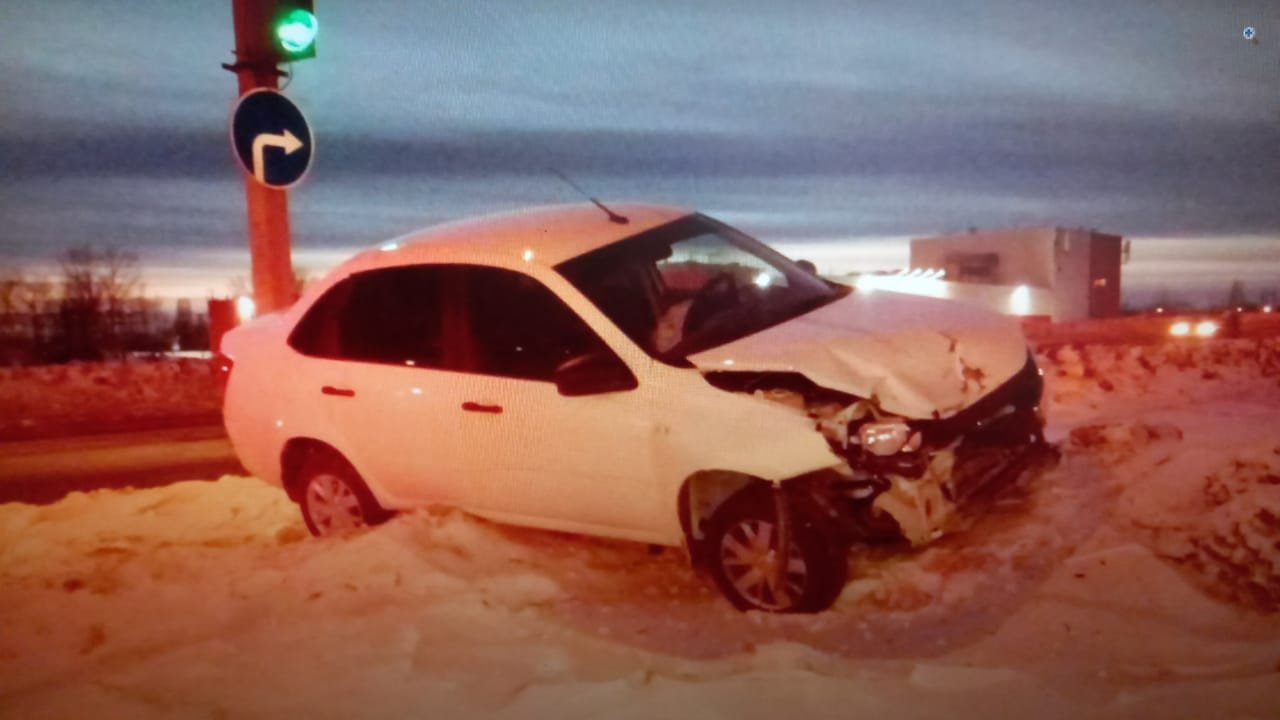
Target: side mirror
594	373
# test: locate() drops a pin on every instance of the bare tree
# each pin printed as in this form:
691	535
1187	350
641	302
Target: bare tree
104	278
98	287
26	324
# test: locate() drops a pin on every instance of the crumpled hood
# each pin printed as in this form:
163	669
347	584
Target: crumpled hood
920	357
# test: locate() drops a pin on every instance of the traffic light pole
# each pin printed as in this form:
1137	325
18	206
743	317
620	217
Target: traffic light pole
270	255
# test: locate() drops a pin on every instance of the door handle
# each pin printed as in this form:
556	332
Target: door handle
340	392
477	407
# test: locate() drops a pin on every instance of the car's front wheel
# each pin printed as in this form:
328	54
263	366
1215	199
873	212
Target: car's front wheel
334	500
743	551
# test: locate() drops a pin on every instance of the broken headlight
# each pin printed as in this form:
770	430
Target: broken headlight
888	438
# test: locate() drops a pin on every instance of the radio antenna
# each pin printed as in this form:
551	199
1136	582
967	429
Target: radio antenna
613	216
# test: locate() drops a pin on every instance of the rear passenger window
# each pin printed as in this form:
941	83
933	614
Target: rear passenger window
317	333
520	328
383	316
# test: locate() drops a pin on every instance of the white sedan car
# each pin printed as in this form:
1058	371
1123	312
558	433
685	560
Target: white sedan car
645	373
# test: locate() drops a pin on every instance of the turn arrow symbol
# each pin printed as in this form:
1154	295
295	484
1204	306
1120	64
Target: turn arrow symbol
286	141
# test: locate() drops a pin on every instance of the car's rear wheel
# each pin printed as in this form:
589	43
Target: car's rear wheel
744	556
334	500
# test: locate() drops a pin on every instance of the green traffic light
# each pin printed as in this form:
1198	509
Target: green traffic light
297	30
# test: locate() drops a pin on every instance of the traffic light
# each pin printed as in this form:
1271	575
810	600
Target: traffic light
271	32
293	30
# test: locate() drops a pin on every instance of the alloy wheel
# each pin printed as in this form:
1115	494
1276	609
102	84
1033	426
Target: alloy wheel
750	558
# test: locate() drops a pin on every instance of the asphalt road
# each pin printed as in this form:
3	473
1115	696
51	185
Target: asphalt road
41	471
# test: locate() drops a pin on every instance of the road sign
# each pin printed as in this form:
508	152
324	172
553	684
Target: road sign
271	138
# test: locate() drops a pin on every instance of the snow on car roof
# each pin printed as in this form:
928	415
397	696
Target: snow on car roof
546	235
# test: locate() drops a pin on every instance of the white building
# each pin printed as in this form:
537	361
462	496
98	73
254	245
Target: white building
1060	273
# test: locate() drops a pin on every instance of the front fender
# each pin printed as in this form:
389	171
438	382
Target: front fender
750	436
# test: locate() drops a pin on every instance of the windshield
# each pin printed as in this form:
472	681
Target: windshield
694	284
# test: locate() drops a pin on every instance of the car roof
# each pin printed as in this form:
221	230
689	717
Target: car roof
546	235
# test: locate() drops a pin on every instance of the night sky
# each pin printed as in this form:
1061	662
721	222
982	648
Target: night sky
834	130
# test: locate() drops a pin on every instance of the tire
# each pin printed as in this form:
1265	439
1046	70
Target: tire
333	498
740	545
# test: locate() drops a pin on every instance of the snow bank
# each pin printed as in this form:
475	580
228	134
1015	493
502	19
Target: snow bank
48	399
1171	373
1137	579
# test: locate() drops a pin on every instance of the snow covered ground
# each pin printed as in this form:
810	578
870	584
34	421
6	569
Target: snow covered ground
50	400
1141	578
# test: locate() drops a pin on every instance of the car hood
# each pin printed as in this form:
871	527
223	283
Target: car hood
918	357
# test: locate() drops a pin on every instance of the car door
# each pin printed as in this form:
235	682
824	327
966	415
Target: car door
582	463
394	403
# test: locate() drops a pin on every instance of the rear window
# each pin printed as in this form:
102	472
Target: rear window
385	316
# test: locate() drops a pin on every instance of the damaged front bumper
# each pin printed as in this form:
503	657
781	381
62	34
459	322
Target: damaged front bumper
914	494
922	508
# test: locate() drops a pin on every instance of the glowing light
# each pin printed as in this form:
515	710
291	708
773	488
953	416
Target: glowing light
246	308
728	362
279	424
1159	309
415	391
1266	308
762	280
389	246
297	30
1180	329
1206	328
1239	309
1020	300
527	255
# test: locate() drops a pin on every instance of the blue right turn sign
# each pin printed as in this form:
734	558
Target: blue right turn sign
271	138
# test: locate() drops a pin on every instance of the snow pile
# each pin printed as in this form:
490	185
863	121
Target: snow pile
1137	579
50	399
1229	536
1220	523
1198	475
1172	370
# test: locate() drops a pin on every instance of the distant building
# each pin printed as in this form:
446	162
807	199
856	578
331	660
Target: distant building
1048	271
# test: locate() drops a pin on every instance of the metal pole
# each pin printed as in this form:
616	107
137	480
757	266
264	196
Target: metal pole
270	256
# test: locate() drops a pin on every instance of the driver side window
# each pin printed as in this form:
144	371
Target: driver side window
519	328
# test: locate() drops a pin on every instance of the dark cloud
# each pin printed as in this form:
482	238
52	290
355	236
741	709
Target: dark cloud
1143	174
823	119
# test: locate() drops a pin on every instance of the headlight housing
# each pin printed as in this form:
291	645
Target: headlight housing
888	438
